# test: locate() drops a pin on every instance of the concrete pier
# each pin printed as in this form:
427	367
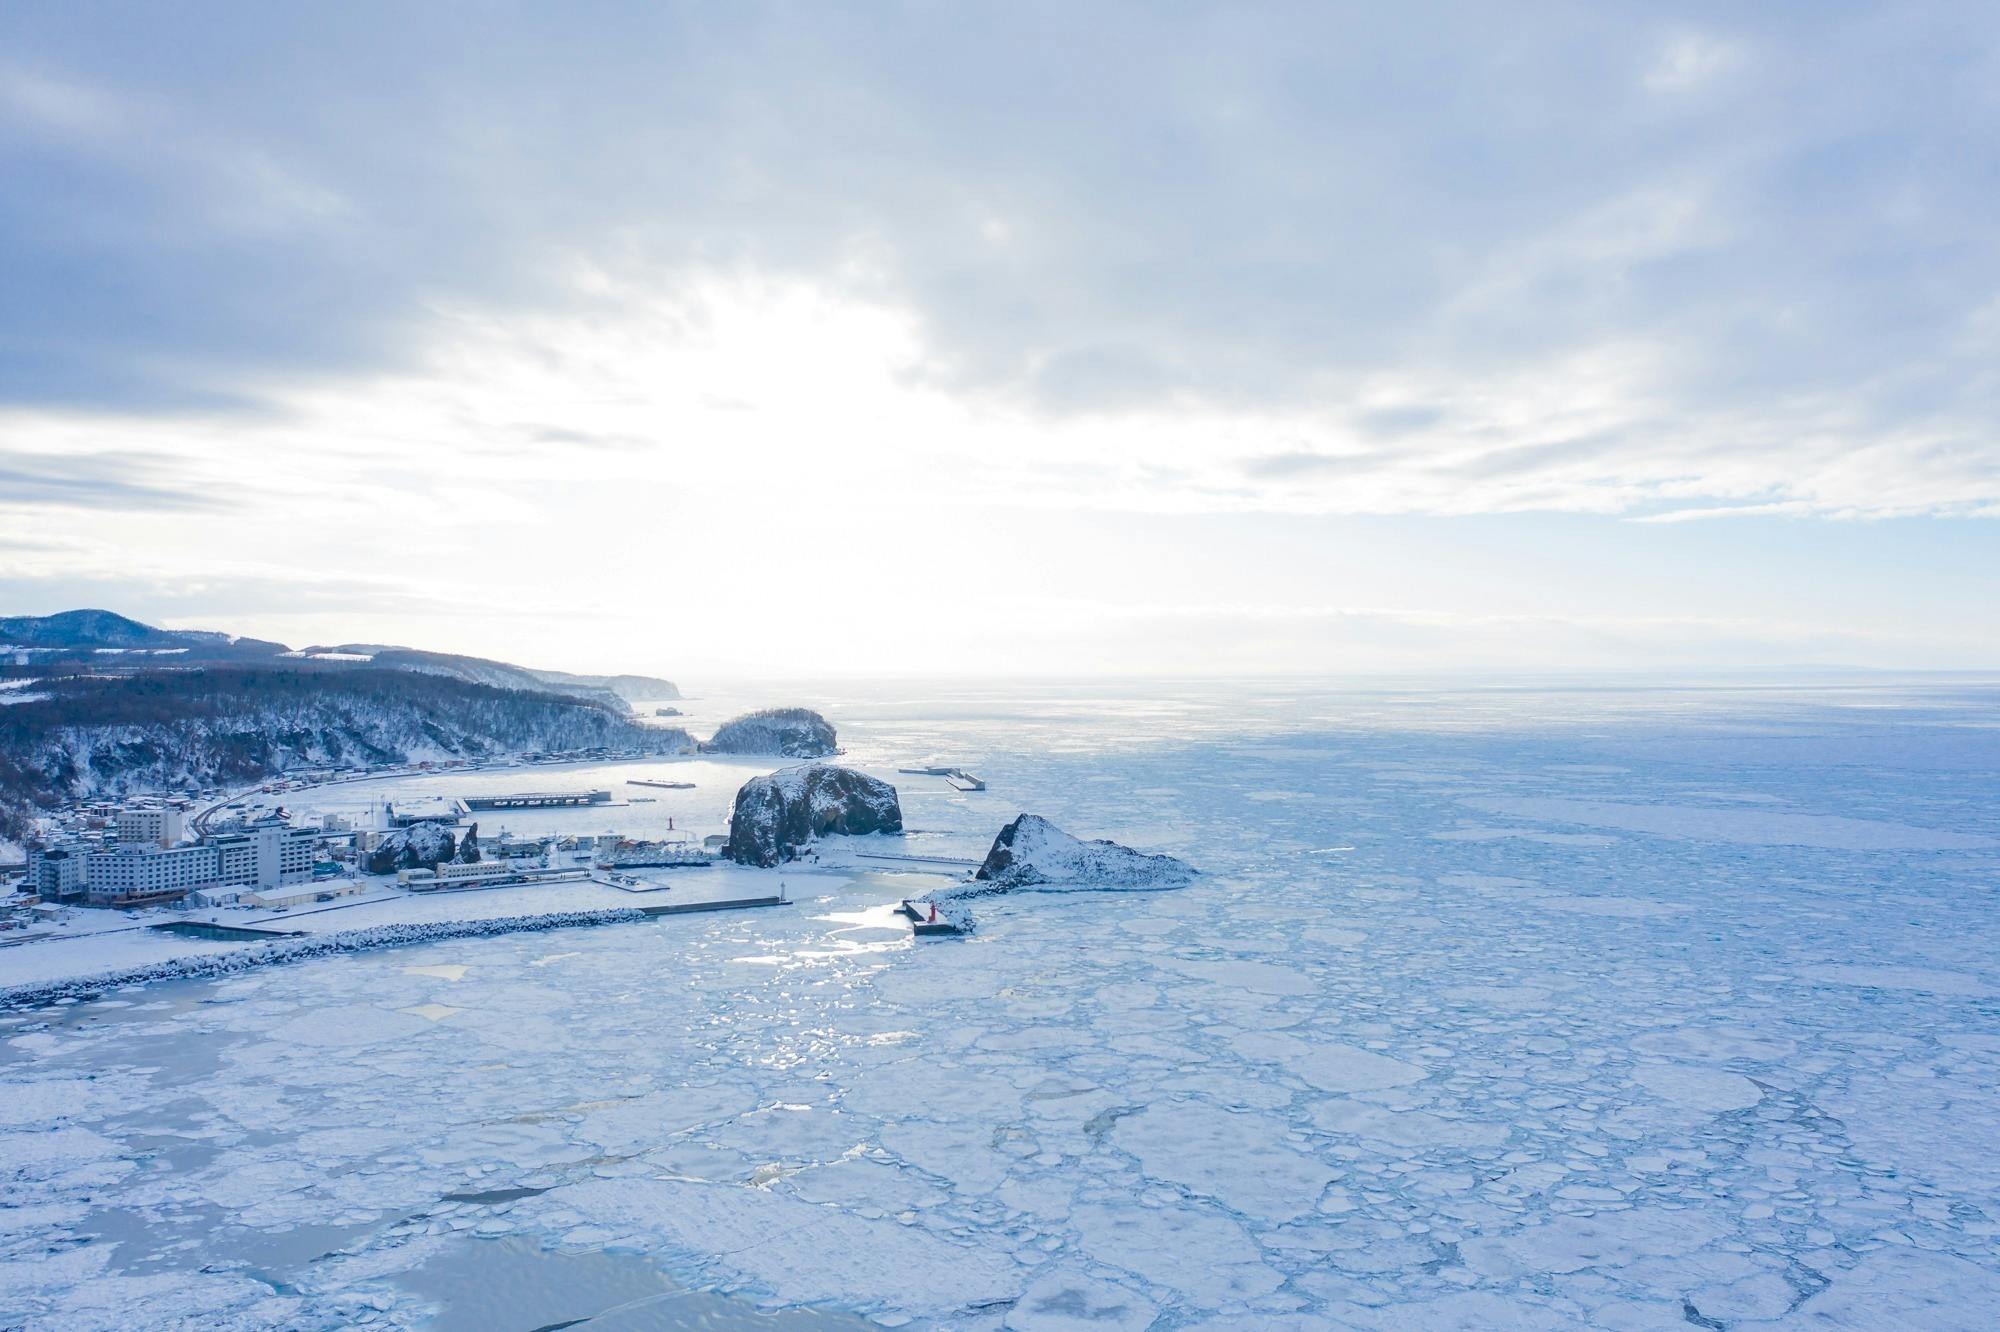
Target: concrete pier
538	800
958	778
685	908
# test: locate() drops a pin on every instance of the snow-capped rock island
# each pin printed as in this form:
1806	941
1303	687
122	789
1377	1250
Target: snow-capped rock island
422	846
789	732
776	816
1032	852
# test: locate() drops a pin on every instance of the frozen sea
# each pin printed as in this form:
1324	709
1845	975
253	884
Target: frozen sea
1505	1008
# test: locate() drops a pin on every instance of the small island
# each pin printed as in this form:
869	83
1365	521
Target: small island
786	732
1032	852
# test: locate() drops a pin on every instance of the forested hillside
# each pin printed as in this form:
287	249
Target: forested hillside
107	736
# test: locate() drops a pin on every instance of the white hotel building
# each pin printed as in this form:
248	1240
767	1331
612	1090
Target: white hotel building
136	875
259	858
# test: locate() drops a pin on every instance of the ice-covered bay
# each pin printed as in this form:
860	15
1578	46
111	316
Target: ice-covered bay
1362	1074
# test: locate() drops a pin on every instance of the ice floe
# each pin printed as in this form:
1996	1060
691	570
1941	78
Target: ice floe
1641	1081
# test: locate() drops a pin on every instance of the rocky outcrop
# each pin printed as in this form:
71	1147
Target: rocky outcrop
776	816
1032	852
419	846
789	732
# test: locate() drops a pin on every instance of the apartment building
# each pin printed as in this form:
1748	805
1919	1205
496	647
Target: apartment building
57	874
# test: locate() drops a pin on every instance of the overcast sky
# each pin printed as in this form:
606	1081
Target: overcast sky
728	339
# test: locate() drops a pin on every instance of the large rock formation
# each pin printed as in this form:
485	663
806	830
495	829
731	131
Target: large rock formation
790	732
419	846
1031	851
776	816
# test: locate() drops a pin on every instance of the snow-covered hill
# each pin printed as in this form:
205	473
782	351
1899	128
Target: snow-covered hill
790	732
618	690
109	736
101	642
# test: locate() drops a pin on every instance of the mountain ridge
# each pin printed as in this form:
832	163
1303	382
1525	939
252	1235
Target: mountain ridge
111	643
108	736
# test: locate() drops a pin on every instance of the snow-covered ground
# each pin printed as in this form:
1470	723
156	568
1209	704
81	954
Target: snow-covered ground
1490	1010
92	945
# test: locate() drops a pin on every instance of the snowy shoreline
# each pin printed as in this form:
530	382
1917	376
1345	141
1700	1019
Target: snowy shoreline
207	966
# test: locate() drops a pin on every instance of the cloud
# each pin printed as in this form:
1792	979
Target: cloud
563	436
1783	507
1198	204
414	291
1305	638
1306	463
288	604
1690	61
1394	422
112	481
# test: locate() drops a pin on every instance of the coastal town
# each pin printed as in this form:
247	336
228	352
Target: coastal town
329	849
174	885
193	882
144	854
161	877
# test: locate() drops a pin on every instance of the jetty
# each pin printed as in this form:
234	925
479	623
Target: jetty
956	862
731	904
538	800
922	924
957	778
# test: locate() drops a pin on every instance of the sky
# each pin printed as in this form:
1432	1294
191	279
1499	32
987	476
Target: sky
1016	339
